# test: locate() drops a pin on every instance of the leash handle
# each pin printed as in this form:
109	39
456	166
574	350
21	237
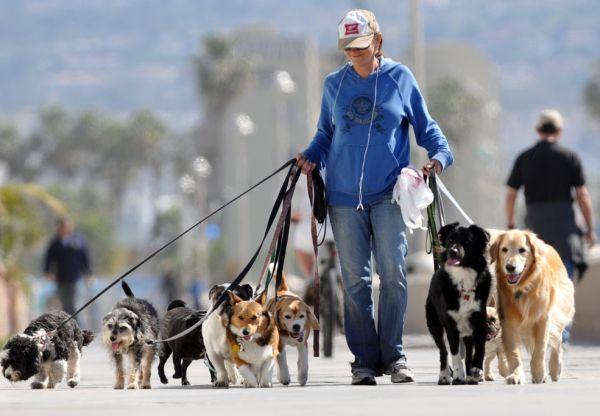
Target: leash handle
434	208
316	288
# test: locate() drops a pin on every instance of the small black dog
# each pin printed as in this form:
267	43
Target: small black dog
186	349
456	303
190	347
127	327
34	353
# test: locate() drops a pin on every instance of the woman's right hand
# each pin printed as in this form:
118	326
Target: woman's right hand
304	164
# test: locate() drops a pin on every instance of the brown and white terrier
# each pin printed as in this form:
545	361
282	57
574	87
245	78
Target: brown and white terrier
493	346
253	339
294	320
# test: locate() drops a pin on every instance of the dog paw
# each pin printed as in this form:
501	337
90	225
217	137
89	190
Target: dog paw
176	374
163	379
266	384
37	385
72	382
477	374
490	377
458	382
472	380
285	380
445	380
302	380
185	382
221	385
119	386
146	386
513	379
132	386
538	380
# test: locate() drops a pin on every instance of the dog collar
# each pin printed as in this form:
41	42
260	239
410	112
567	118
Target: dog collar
466	293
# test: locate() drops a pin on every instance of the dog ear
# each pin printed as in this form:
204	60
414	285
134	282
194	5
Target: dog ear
495	248
445	231
262	300
311	319
536	246
248	290
234	298
480	236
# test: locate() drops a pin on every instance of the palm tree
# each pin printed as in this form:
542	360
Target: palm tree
21	217
221	76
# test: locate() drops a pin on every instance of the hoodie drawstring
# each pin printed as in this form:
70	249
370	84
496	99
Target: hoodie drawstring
338	93
360	207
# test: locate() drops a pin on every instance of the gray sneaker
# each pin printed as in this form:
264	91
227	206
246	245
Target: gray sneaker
362	378
400	373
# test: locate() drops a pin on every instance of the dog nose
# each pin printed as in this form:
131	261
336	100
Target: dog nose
453	251
510	268
296	327
245	332
113	338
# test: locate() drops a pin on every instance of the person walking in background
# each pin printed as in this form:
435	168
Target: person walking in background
362	140
549	173
66	262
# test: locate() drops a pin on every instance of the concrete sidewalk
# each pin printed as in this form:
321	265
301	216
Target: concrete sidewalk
328	391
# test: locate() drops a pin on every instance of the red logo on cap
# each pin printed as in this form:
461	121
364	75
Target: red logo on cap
351	29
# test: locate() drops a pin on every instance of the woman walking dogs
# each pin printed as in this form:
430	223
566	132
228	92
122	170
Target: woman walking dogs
362	140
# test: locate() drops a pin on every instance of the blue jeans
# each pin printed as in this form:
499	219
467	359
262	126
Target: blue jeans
570	266
379	228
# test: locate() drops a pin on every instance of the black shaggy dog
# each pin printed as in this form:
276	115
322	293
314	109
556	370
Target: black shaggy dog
34	353
456	303
190	347
126	329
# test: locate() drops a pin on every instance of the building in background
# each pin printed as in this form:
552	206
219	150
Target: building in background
268	124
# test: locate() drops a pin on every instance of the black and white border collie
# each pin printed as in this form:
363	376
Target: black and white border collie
43	354
456	303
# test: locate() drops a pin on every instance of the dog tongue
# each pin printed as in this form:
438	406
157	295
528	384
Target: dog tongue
452	262
247	337
513	278
114	346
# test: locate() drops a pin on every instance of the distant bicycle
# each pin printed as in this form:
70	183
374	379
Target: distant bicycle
331	303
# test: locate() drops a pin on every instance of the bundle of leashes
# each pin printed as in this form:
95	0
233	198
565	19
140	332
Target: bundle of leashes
281	233
436	208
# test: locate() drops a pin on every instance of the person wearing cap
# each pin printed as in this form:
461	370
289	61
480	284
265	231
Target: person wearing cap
362	140
549	173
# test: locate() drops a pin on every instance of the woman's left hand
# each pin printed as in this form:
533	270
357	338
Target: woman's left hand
433	163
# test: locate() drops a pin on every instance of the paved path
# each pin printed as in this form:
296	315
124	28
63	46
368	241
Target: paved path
327	393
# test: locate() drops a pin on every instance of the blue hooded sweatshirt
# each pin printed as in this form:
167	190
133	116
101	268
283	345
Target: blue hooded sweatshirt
363	158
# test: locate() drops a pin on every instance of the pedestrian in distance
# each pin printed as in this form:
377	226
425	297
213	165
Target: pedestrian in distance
66	262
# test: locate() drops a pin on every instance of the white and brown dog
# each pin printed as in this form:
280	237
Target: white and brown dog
214	334
294	320
253	339
493	346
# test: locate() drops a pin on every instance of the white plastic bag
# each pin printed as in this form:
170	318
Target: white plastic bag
412	194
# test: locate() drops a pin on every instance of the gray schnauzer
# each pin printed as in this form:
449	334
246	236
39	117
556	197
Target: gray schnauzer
126	329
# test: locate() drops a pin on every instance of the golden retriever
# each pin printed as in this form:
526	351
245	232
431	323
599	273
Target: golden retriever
535	302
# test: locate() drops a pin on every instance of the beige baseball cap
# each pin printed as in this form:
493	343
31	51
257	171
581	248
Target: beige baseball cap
550	117
357	29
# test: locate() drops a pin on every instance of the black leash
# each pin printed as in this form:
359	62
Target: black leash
284	194
436	207
234	284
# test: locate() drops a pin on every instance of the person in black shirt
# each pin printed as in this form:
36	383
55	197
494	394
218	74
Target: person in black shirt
549	172
67	260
